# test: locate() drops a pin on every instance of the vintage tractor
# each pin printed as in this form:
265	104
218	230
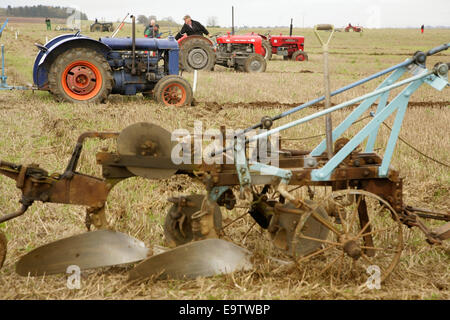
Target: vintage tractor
101	27
242	52
76	68
290	47
339	205
353	28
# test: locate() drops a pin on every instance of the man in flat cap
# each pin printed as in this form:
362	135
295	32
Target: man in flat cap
191	27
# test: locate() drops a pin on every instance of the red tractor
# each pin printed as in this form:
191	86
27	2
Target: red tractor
241	52
290	47
353	28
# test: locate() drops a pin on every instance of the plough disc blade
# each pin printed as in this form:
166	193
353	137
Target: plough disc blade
101	248
200	258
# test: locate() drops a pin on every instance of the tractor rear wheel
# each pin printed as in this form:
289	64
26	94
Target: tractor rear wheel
80	75
255	63
174	91
268	50
300	56
197	54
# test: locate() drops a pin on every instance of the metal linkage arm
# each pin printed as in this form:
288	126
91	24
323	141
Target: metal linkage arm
73	162
418	58
338	107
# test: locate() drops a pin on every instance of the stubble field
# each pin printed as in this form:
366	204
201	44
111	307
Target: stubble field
36	129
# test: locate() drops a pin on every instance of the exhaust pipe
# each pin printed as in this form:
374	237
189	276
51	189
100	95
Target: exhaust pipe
232	20
290	28
133	45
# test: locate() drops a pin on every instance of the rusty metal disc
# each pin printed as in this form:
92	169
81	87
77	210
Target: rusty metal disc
291	228
312	229
202	258
149	140
3	248
101	248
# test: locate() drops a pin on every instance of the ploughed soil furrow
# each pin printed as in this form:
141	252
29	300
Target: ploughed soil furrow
268	104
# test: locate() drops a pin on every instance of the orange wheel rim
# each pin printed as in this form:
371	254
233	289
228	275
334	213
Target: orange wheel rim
81	80
174	95
300	57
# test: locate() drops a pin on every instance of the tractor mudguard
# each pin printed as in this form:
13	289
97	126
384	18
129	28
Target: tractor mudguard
186	38
56	47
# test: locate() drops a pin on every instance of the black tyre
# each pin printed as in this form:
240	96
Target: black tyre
80	75
255	63
268	48
197	54
174	91
300	56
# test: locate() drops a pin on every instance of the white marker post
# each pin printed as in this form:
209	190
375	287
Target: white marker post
195	81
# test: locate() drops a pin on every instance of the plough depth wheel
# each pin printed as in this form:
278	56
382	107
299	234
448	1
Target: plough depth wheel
364	230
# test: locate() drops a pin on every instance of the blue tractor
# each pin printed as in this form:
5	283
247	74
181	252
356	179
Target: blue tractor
77	68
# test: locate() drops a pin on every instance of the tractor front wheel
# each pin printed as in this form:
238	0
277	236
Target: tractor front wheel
300	56
80	75
173	91
255	63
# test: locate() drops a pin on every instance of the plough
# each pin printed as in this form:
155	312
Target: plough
358	224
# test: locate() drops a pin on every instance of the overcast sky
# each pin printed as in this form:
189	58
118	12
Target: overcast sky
368	13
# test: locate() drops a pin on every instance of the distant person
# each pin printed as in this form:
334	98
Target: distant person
149	28
422	28
152	30
48	23
191	27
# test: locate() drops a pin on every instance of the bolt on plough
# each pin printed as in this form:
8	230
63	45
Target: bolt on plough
358	224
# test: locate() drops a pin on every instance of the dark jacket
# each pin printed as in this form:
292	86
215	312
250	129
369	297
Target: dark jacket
196	29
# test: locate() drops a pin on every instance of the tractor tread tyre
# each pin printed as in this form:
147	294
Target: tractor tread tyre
252	58
157	86
163	83
300	53
268	47
192	44
95	58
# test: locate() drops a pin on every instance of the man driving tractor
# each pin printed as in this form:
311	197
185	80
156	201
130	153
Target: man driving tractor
191	27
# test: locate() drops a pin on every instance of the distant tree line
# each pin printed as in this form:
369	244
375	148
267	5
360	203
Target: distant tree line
42	11
164	22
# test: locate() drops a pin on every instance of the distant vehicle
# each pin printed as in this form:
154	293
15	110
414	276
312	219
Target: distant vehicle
289	46
102	27
59	28
353	28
